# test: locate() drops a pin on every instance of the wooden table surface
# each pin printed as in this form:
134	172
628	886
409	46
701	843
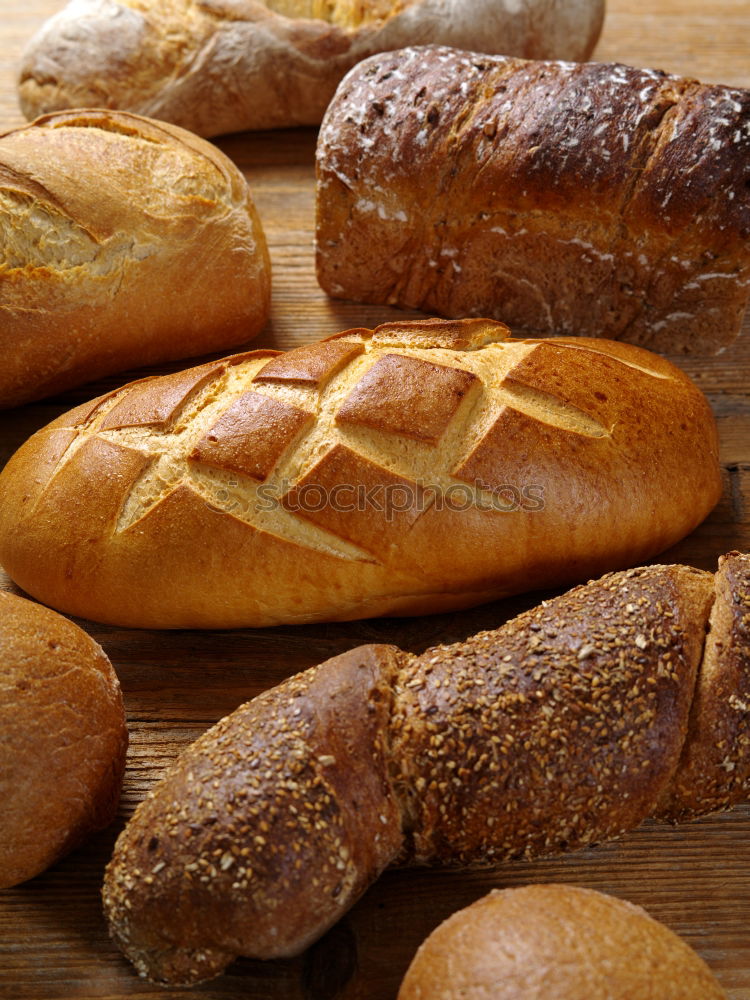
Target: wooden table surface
53	941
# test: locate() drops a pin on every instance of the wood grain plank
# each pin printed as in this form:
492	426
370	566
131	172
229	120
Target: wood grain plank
53	941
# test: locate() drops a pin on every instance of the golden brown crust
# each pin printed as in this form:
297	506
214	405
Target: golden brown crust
94	251
252	435
561	941
559	729
584	199
311	364
62	738
519	458
391	397
216	66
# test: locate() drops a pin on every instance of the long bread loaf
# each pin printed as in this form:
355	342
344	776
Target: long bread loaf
595	199
123	242
564	727
217	66
416	468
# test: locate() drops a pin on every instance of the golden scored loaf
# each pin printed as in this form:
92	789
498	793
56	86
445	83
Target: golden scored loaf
123	242
590	199
62	738
419	467
556	942
217	66
564	727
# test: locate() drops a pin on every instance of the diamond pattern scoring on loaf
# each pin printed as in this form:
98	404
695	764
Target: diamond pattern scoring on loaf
157	401
520	450
313	364
557	404
251	436
357	500
547	369
407	396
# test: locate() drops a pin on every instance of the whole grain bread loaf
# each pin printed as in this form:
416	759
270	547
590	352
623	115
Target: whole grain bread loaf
216	66
123	242
419	467
562	728
594	199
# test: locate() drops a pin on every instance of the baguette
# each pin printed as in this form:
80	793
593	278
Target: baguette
123	242
417	468
215	66
556	941
564	727
62	738
594	200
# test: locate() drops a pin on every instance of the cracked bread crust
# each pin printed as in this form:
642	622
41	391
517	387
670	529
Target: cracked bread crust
591	199
215	66
270	488
103	217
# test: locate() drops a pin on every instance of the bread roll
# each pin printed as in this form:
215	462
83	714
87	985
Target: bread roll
417	468
595	200
62	738
556	942
560	729
123	242
217	66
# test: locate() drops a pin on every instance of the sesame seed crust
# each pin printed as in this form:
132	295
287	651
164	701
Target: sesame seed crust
266	830
564	727
561	734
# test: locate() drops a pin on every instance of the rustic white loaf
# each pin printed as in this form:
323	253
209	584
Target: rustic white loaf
415	468
218	66
123	242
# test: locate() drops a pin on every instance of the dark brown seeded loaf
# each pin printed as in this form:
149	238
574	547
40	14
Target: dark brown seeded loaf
564	727
592	199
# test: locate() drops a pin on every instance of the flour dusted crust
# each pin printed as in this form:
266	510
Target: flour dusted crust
593	199
217	66
123	242
418	467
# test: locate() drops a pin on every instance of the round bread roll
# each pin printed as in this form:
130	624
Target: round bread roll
62	738
556	942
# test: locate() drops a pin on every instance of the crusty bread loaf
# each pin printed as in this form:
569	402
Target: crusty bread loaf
593	200
217	66
62	738
556	942
123	242
420	467
560	729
